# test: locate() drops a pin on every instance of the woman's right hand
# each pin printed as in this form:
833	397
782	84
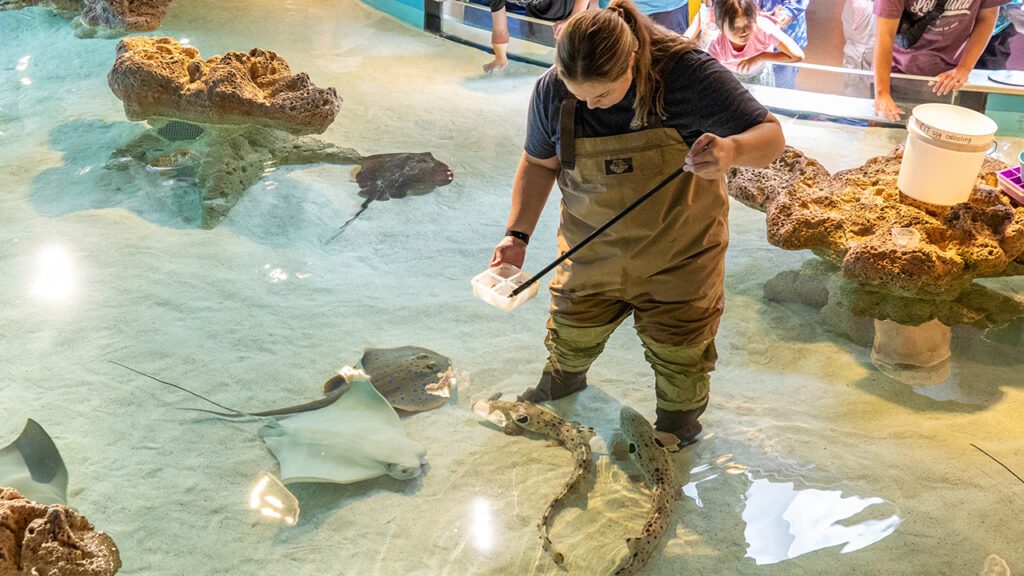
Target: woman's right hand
886	107
509	251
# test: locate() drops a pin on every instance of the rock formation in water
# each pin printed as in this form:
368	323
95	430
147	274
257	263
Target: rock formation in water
114	18
223	161
53	540
158	77
848	217
102	18
65	8
850	308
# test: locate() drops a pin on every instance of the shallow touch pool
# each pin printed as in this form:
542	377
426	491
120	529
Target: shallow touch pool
813	461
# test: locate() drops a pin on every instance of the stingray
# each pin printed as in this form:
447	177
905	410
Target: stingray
33	466
411	378
385	176
356	437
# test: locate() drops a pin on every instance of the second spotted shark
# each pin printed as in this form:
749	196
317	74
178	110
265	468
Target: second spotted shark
520	416
653	462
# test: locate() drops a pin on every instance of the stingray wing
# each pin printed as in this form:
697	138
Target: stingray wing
356	438
32	465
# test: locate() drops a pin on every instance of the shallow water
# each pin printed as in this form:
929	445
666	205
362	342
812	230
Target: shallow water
813	461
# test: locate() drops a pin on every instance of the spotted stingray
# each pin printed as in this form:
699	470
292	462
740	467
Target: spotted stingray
412	378
386	176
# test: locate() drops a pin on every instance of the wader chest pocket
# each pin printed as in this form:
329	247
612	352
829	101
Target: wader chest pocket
615	166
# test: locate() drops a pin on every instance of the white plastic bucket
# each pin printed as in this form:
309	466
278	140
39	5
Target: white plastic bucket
946	146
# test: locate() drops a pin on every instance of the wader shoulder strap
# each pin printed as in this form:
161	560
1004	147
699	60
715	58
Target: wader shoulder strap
569	130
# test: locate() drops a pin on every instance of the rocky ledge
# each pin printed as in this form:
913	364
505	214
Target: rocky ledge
114	18
848	218
159	77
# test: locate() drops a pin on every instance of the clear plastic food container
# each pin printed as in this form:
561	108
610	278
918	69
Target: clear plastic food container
495	284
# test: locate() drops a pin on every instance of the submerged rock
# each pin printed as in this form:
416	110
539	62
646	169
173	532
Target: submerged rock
222	161
101	18
113	18
848	218
64	8
51	541
158	77
850	308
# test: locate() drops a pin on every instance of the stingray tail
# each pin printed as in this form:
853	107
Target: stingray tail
362	209
232	412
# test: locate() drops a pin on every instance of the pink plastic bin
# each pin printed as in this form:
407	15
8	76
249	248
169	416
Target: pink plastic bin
1010	182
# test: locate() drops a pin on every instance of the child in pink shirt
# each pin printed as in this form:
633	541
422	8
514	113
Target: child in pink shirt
746	42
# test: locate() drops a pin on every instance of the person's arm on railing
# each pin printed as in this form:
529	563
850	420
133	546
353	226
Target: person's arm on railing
499	37
577	7
885	35
984	23
693	30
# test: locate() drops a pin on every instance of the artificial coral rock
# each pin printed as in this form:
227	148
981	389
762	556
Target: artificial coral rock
113	18
223	161
158	77
850	308
848	217
64	8
53	540
102	18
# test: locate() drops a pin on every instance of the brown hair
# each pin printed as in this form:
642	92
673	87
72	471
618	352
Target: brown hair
595	45
726	11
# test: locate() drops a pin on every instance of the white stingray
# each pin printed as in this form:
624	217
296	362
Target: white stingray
357	437
33	466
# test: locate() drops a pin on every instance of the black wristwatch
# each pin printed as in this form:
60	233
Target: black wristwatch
520	235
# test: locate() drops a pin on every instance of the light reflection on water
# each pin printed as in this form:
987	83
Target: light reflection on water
54	280
784	522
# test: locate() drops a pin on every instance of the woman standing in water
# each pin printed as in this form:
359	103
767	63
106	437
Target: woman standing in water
626	104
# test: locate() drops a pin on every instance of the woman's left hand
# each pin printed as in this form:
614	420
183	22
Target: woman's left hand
710	156
949	80
744	66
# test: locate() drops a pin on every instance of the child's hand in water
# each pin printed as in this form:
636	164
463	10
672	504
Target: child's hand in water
746	66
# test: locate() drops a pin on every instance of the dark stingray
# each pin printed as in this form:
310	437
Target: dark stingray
386	176
33	466
411	378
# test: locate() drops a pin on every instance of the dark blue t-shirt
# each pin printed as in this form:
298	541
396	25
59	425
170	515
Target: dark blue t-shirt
551	10
700	96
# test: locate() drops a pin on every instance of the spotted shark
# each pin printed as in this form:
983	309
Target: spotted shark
652	460
521	416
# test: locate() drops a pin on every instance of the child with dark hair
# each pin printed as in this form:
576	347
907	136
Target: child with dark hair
746	43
